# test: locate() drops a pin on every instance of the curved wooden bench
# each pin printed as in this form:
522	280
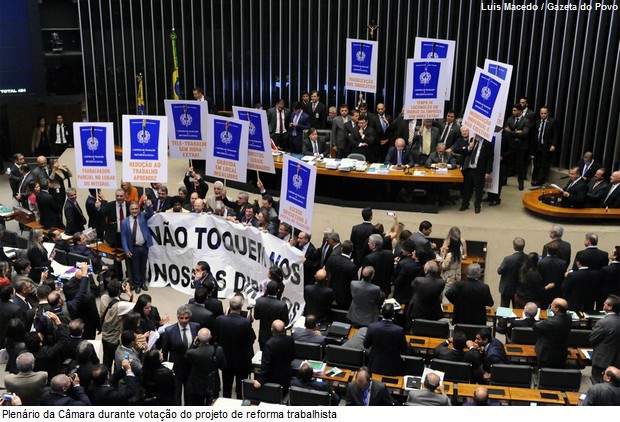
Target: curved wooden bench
532	201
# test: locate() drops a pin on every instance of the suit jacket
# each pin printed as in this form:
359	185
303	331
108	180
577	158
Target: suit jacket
95	218
603	394
564	250
382	260
307	147
375	121
50	210
447	158
191	187
174	349
28	386
236	337
76	221
426	300
379	395
591	257
339	134
341	271
144	228
312	263
494	354
614	199
267	310
203	363
454	132
76	397
318	300
278	354
594	166
110	219
552	270
579	289
605	339
519	141
307	336
318	117
107	395
272	120
302	123
8	310
366	300
201	315
359	237
577	191
406	270
485	159
15	178
370	138
425	397
470	298
388	343
509	271
65	129
419	140
551	135
594	196
160	205
552	341
610	280
407	158
442	351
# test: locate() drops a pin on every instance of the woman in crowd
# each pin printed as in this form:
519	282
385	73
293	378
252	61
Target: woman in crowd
531	287
131	193
456	233
38	255
265	224
40	144
157	380
59	180
451	263
149	315
32	190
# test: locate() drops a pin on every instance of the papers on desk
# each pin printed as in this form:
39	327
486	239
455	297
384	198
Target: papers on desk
310	159
334	372
505	312
318	367
441	170
419	173
586	353
331	163
378	168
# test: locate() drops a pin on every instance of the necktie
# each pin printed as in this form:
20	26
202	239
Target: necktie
586	168
281	122
517	121
400	158
427	142
313	106
411	131
474	156
366	396
78	208
611	189
384	123
542	131
185	338
444	135
121	215
315	148
134	230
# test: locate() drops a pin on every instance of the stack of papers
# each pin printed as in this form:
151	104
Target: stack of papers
378	168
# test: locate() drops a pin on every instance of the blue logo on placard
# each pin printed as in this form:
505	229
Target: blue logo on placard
499	71
144	137
425	80
298	183
434	50
255	130
227	140
186	120
93	141
487	90
361	58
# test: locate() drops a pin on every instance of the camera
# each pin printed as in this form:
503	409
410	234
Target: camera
7	397
123	285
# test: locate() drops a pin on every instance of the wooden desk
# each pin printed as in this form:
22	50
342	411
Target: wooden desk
448	310
496	392
392	382
343	377
532	201
527	352
572	397
417	341
537	396
107	251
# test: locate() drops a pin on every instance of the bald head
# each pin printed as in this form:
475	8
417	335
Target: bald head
559	305
320	276
41	160
60	383
481	396
204	335
530	310
431	382
277	327
612	375
399	143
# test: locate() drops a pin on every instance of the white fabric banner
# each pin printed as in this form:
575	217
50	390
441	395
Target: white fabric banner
493	185
361	65
95	166
483	106
239	257
145	149
227	149
504	72
259	142
425	89
297	193
434	48
187	128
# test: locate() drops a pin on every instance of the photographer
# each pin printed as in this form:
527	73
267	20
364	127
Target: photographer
111	310
65	391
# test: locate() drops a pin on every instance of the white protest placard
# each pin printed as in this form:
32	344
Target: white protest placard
259	142
227	149
424	89
482	106
361	65
95	166
297	193
504	72
492	185
239	257
145	149
187	128
434	48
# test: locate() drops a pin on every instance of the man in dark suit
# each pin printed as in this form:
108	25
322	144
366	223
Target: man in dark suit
552	269
564	248
312	257
104	389
330	242
457	352
382	260
317	111
407	269
268	309
580	287
199	314
516	132
318	297
310	333
400	155
341	271
605	339
306	380
364	391
236	336
359	236
477	166
588	165
610	278
339	138
351	127
8	310
49	209
94	204
203	362
177	339
470	298
552	336
60	135
597	188
163	202
505	325
591	257
440	158
313	145
76	221
113	214
65	391
366	299
547	132
491	353
278	354
15	176
611	197
574	194
427	292
388	343
299	121
449	130
278	118
136	239
427	139
509	271
381	122
364	140
606	393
